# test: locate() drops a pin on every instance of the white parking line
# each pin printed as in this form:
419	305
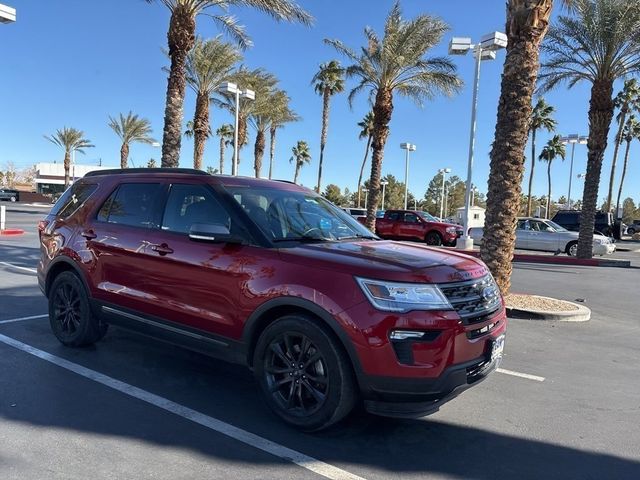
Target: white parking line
17	267
521	375
248	438
22	319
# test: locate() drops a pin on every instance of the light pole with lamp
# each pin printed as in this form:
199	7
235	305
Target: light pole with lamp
474	190
409	148
485	50
573	140
444	172
384	183
230	87
366	195
7	14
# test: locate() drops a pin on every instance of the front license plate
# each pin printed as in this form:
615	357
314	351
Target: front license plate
497	347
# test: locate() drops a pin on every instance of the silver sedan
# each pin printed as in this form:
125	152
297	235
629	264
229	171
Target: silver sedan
547	236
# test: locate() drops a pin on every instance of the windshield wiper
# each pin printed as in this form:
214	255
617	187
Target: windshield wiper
358	236
302	239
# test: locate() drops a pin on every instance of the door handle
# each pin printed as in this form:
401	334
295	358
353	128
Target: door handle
88	234
162	249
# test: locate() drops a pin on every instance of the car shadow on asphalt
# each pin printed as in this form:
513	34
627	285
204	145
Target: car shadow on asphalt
19	255
363	444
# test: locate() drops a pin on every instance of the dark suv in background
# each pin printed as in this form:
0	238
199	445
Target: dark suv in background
570	219
273	276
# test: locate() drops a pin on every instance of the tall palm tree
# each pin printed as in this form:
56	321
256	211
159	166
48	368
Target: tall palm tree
366	131
266	103
281	114
553	149
209	64
130	129
392	65
225	132
329	80
599	44
540	118
71	140
181	38
631	132
627	100
300	158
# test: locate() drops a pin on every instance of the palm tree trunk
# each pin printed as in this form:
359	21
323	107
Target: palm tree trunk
222	144
547	214
258	152
67	166
181	37
295	176
200	129
533	166
527	24
326	96
364	161
624	174
382	111
600	116
623	119
124	155
272	149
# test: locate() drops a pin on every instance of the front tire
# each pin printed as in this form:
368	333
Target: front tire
433	239
572	249
305	376
70	314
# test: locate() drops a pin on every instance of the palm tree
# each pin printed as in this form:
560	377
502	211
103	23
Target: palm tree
366	126
281	114
329	80
392	65
631	132
209	64
267	102
540	118
181	39
599	44
301	156
628	99
71	140
130	129
554	148
225	132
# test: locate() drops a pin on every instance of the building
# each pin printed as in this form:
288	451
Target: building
476	216
49	178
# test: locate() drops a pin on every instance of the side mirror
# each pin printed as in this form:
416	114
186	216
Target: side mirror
212	232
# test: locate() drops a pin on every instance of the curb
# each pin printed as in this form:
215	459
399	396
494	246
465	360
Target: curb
11	232
583	314
558	260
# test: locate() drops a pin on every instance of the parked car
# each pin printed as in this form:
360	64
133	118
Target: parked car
415	225
548	236
9	195
356	212
633	228
271	275
570	219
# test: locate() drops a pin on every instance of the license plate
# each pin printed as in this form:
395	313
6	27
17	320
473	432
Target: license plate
497	347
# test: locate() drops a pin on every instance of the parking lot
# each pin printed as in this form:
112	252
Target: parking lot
565	405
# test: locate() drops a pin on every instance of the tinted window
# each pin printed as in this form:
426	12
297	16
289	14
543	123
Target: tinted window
523	225
395	216
188	205
131	204
73	199
410	218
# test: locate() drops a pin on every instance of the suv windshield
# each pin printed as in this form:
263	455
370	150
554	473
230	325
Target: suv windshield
286	215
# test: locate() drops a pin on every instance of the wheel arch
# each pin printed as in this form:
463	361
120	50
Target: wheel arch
59	265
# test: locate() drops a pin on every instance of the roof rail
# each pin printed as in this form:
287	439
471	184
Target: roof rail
123	171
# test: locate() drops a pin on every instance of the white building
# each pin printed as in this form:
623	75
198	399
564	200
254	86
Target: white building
50	176
476	216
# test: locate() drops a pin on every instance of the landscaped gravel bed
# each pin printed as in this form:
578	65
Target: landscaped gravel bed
533	302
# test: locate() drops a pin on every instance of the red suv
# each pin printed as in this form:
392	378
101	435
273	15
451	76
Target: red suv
271	275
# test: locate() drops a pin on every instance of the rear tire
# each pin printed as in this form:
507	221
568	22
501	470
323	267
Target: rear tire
304	374
70	316
433	239
572	249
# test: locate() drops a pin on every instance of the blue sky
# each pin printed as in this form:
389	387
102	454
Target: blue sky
74	62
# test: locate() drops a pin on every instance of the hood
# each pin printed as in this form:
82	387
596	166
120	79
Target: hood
388	260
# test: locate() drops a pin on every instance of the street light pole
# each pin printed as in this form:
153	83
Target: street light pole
384	185
230	87
573	140
366	195
409	148
444	172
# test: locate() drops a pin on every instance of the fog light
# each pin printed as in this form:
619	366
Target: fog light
406	335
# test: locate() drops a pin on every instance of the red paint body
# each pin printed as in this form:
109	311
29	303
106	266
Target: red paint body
394	225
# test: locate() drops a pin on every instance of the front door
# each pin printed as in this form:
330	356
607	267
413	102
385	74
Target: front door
411	227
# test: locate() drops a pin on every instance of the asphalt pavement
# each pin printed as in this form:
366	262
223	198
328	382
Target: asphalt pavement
565	405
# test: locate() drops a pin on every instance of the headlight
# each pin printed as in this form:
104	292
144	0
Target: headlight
451	229
600	241
403	297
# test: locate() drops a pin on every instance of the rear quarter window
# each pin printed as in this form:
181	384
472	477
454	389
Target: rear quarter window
72	199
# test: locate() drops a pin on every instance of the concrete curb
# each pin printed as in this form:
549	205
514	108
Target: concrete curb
582	314
11	232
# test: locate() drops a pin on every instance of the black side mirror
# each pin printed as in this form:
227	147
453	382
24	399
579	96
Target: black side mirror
212	232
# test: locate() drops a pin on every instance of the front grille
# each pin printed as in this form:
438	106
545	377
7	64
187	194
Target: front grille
474	300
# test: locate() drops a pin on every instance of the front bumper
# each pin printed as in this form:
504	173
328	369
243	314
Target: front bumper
604	249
